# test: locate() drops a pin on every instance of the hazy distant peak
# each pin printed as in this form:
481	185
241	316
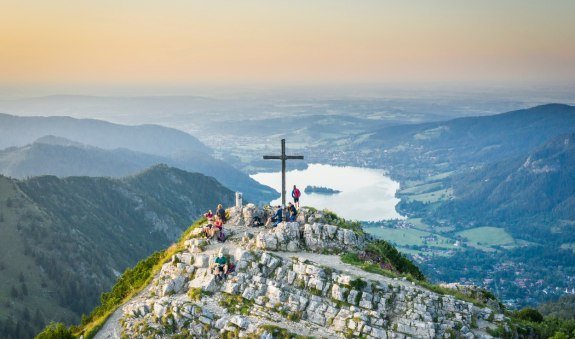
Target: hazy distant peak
59	141
151	139
552	106
162	169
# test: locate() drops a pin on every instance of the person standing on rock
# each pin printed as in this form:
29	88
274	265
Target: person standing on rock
221	213
295	194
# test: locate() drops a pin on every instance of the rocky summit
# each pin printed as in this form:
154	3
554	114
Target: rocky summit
290	281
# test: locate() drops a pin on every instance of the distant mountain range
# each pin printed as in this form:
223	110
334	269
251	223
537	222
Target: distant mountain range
447	145
64	146
64	241
515	169
151	139
506	168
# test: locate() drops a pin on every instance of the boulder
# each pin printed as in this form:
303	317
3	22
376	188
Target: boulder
249	212
240	321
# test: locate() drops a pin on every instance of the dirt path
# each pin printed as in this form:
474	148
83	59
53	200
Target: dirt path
112	327
334	261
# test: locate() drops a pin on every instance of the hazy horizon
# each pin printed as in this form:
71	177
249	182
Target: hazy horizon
66	46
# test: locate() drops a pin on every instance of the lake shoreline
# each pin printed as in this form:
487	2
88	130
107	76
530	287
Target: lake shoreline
366	194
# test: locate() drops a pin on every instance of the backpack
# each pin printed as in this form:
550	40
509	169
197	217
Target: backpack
257	222
221	213
221	236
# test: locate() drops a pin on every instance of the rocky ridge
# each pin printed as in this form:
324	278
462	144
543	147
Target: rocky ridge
288	281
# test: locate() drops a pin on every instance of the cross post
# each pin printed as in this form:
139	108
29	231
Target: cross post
283	157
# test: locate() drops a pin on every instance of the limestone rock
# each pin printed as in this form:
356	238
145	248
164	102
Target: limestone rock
270	287
249	212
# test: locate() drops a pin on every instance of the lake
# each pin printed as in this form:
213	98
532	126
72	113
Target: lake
366	194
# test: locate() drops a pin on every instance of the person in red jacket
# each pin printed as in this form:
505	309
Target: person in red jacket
295	194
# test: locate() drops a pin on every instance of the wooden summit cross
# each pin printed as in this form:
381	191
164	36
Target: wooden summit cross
283	158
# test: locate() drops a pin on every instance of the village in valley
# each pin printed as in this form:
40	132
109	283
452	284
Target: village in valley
445	256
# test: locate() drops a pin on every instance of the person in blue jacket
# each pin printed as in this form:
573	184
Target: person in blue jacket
292	212
276	218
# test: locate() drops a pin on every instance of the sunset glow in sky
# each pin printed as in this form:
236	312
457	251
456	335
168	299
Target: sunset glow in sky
297	42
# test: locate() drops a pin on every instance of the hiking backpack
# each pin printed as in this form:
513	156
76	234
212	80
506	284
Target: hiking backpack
221	236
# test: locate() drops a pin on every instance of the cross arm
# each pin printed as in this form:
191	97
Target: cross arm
266	157
294	157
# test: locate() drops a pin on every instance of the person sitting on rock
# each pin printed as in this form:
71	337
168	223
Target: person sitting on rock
208	230
215	229
209	216
276	218
221	213
221	265
211	230
292	212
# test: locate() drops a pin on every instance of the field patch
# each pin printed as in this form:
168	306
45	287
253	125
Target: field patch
411	236
431	197
419	224
487	236
419	189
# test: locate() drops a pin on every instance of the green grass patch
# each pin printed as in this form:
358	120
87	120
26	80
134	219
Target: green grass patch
353	259
419	189
55	331
431	197
440	176
419	224
333	219
196	293
411	236
236	304
487	236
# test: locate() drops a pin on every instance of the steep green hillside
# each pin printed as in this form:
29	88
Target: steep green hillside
538	187
563	308
64	241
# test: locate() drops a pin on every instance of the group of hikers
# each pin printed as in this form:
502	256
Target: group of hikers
215	225
215	229
290	212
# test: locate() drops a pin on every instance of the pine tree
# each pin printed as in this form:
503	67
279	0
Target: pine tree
14	292
38	319
24	289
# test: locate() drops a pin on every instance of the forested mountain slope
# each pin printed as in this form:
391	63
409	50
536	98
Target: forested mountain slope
64	241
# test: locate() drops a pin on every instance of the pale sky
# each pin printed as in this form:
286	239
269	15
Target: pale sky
179	42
